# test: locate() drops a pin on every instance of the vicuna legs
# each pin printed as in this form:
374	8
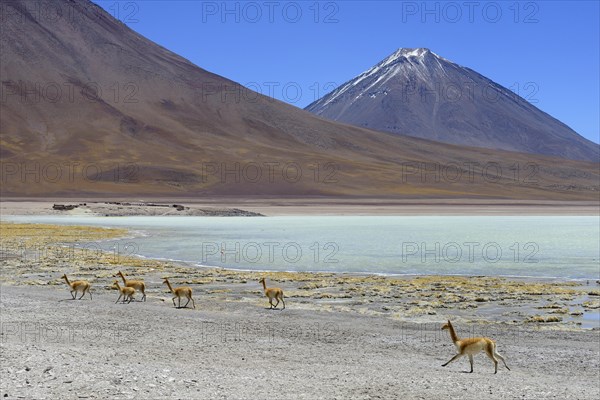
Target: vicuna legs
456	357
493	354
471	361
179	302
489	351
124	298
83	293
501	358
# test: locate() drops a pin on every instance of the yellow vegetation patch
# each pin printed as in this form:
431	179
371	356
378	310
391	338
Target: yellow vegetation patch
544	318
592	304
40	234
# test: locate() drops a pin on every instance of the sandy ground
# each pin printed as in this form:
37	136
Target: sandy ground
309	206
55	348
340	336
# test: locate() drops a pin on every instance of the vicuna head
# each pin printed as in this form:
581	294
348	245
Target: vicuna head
446	325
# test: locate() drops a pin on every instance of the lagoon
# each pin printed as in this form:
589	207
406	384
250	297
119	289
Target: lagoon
563	247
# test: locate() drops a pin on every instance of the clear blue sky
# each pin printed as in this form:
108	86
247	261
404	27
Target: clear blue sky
546	51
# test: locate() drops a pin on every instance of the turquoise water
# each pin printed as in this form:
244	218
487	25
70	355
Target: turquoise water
534	246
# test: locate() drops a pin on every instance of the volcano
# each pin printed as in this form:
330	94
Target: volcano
416	92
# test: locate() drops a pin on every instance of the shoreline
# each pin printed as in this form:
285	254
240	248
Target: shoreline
133	233
364	274
556	303
270	206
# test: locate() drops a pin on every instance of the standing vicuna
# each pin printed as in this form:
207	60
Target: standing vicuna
472	346
273	293
179	292
76	286
137	285
125	292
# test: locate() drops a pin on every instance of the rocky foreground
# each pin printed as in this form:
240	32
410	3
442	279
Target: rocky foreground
55	348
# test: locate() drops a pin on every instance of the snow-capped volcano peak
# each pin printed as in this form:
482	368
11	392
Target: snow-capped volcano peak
416	55
403	62
406	52
413	91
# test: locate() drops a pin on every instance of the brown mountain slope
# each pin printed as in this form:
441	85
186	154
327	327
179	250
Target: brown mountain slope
90	107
